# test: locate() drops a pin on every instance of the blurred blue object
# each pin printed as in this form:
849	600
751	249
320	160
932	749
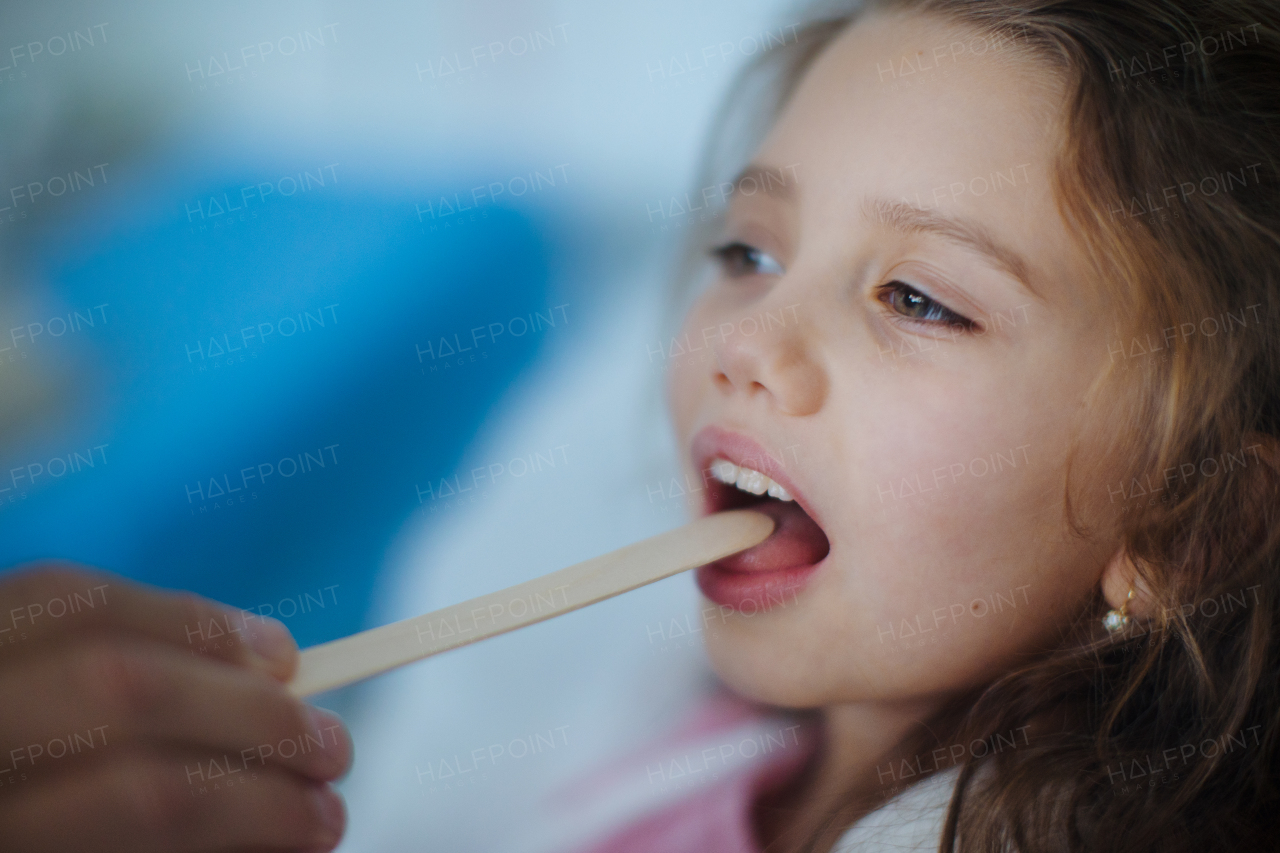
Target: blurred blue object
250	333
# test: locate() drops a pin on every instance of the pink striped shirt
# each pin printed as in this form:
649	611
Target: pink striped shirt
693	792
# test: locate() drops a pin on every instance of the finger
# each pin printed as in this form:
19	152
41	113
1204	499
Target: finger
142	801
53	600
76	698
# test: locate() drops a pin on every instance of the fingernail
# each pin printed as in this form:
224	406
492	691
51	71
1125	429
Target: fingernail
333	736
271	640
332	813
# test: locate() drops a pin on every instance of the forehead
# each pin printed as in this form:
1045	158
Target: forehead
916	108
927	84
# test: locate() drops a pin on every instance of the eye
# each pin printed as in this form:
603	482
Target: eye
737	260
911	304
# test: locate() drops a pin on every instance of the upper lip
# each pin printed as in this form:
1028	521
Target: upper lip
713	442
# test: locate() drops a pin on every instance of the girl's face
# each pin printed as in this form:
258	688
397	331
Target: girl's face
904	333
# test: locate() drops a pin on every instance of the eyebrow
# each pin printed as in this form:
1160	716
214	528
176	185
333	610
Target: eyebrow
913	220
770	180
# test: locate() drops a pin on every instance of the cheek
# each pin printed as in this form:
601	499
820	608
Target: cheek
945	461
690	361
949	554
958	478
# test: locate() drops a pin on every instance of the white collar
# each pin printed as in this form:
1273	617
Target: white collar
911	821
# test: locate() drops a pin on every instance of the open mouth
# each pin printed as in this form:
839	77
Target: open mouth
797	540
771	573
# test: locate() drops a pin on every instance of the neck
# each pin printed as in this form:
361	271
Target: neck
855	770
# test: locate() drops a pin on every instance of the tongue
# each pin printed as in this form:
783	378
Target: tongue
796	541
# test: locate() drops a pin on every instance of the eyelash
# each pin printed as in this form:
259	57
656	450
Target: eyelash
934	312
735	255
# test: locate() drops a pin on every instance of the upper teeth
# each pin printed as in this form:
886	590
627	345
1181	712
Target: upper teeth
747	479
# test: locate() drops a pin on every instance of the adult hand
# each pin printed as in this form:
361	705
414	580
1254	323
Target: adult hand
139	719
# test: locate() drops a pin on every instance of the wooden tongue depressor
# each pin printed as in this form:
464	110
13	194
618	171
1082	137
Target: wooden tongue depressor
350	659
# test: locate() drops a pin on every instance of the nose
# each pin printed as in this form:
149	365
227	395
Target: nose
771	354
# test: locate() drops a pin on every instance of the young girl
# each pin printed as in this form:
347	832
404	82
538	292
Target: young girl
991	336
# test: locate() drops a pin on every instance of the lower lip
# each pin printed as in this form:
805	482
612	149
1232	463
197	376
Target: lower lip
753	592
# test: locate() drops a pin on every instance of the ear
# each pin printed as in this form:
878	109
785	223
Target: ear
1118	578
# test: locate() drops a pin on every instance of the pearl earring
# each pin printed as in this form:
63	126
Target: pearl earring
1117	620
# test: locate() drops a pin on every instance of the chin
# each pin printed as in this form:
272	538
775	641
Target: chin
751	667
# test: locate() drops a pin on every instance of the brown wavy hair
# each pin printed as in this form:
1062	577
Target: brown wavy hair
1163	736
